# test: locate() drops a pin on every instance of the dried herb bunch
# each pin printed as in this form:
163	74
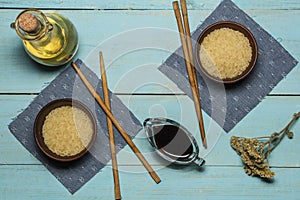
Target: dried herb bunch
255	151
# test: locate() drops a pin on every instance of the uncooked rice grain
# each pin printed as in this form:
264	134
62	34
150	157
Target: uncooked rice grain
67	130
225	53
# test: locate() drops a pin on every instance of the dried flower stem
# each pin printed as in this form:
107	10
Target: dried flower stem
276	138
255	151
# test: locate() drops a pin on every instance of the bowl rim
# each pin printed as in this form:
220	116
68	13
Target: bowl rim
39	121
235	26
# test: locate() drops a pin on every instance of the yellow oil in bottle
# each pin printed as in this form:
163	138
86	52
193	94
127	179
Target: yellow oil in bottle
54	43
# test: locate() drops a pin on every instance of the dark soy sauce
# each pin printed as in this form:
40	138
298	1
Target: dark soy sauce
172	141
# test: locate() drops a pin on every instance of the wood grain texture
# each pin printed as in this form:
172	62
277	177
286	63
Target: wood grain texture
133	75
34	182
108	113
29	77
143	4
110	130
179	108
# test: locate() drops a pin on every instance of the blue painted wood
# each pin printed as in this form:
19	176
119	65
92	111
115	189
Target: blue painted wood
33	182
179	108
131	63
144	4
23	177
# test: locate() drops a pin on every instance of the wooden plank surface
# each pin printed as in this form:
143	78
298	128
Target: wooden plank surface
143	4
31	78
33	182
133	75
179	108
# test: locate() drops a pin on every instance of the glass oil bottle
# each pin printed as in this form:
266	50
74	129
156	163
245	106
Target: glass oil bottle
48	38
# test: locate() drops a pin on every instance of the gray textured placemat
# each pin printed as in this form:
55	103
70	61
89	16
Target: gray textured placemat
68	85
228	105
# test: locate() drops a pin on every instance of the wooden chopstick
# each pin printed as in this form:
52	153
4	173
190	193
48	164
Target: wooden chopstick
117	190
191	56
117	125
185	38
187	32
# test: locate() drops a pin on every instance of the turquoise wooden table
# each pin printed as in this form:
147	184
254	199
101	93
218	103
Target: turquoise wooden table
22	176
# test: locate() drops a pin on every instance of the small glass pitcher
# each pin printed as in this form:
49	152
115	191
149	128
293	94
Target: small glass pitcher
172	141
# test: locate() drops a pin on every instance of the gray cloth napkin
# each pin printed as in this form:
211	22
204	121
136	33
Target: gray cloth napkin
228	105
75	174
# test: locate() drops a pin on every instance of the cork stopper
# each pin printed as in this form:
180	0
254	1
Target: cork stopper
29	23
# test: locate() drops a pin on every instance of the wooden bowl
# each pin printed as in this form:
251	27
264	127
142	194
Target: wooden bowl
237	27
39	122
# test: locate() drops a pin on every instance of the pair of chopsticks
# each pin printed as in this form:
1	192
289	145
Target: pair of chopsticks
111	120
185	37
